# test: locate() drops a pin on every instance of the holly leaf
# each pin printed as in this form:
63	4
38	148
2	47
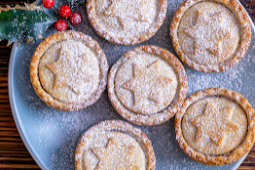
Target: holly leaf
75	3
27	23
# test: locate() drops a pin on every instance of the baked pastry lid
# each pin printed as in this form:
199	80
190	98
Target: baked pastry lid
235	154
90	5
56	38
245	26
116	126
171	109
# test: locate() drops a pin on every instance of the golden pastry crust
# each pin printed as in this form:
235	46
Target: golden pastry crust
160	116
245	30
116	126
235	154
122	40
34	70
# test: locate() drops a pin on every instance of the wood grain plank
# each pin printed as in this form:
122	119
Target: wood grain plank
19	166
15	159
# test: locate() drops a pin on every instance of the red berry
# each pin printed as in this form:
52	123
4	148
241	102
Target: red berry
64	11
48	3
60	25
75	18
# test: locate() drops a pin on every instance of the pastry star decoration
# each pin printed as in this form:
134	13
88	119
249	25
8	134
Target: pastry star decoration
123	9
115	157
214	123
69	71
208	33
147	83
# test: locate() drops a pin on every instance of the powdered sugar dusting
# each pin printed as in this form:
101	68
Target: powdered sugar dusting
126	22
209	33
239	78
124	136
148	85
114	16
214	117
53	135
226	45
69	71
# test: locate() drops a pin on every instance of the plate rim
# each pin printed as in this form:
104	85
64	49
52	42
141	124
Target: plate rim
14	110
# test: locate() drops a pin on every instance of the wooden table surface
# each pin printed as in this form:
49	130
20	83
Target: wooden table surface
13	153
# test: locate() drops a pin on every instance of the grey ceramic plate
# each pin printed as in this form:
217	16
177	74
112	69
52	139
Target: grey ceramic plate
51	135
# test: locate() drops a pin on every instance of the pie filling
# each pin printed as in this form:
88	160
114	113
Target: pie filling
214	125
209	33
69	71
146	84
